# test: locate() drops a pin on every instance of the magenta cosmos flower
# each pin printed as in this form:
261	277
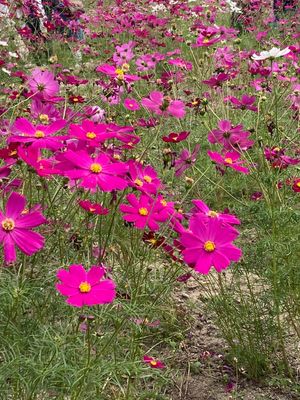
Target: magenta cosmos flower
230	159
186	160
84	288
161	105
16	225
117	73
95	172
131	104
43	84
144	178
245	103
230	136
208	244
203	211
144	211
91	133
39	136
153	363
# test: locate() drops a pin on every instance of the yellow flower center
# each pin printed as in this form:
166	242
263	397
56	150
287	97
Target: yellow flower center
91	135
152	241
298	184
120	73
138	182
153	363
96	168
209	246
8	224
228	160
206	40
39	134
13	153
276	149
44	118
164	203
212	214
143	211
85	287
75	100
147	178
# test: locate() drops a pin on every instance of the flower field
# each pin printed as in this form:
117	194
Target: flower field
149	214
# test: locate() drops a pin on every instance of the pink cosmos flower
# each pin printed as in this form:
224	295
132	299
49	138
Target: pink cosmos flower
230	136
179	62
153	363
203	211
217	80
186	160
246	102
131	104
39	136
208	244
43	84
16	228
161	105
205	41
45	113
229	159
95	172
117	73
144	212
84	288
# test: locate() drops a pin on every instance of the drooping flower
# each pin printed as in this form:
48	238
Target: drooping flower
16	228
153	363
93	208
209	244
186	160
174	137
144	211
230	159
85	288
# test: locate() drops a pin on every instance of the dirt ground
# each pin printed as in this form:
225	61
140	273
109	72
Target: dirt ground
205	375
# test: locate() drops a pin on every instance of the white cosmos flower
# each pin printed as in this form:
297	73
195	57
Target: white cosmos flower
273	53
234	7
